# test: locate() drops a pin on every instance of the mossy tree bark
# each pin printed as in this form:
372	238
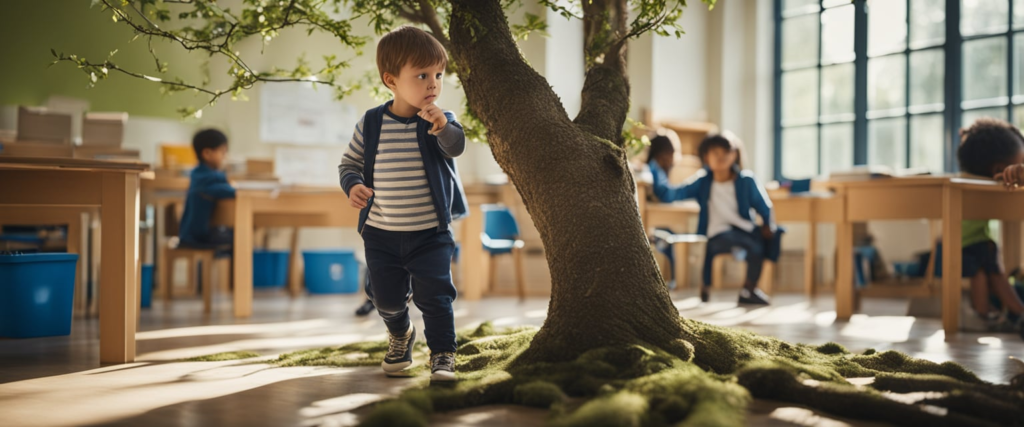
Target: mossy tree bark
574	179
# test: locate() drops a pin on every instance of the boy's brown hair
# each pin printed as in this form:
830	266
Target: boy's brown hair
408	45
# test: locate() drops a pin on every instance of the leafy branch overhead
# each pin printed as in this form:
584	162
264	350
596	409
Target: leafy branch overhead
217	31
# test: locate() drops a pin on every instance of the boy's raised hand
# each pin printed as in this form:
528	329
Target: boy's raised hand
1012	176
359	195
433	114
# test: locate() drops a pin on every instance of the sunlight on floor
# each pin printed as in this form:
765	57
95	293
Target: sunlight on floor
263	345
106	395
257	328
878	328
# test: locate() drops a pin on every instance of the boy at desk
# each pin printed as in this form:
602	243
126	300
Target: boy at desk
399	171
208	185
988	148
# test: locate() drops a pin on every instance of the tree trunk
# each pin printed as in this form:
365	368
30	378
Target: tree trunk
577	186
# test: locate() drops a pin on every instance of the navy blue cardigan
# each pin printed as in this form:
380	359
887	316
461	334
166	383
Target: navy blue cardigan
442	173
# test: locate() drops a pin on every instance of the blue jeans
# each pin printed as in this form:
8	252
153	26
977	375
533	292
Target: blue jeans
751	243
417	263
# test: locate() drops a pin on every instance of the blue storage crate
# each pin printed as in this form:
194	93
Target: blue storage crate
146	291
331	271
269	268
36	294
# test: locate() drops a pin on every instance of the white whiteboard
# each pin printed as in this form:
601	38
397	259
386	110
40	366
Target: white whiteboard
298	113
307	166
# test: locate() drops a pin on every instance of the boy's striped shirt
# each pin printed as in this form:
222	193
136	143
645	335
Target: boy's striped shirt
402	197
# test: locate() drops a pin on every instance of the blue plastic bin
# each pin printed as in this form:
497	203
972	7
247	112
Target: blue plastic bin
36	294
331	271
269	268
146	291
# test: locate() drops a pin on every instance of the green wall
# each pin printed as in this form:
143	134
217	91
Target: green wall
30	28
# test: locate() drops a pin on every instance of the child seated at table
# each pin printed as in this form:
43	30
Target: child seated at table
208	185
987	148
726	194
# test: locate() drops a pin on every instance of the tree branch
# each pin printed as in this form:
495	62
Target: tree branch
605	95
496	78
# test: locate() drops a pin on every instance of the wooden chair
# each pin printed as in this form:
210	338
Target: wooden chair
681	244
194	258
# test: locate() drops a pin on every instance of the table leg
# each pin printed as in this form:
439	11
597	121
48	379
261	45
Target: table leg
243	256
160	254
119	213
952	215
473	262
844	270
294	279
1011	245
810	255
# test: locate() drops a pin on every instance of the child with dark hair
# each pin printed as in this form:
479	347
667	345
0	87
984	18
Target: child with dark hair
208	185
726	194
989	148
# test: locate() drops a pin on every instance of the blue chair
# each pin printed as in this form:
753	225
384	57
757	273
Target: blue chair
501	237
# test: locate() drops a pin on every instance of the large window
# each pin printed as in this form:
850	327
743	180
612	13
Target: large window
889	82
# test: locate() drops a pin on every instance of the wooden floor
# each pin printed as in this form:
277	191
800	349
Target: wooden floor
59	382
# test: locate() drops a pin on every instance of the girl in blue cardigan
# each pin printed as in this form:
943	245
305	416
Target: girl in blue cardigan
726	194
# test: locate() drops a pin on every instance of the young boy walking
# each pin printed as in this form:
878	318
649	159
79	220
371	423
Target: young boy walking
399	170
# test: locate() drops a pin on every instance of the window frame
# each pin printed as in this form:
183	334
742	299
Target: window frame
952	49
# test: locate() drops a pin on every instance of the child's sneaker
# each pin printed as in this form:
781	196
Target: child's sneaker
755	297
399	355
442	366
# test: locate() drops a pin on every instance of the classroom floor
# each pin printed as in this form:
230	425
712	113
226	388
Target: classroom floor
58	381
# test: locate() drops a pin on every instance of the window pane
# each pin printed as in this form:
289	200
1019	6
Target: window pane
1018	116
836	147
887	26
800	96
800	152
927	142
800	41
983	16
837	92
837	35
984	65
887	142
1018	64
789	5
928	69
1018	13
887	83
971	115
928	26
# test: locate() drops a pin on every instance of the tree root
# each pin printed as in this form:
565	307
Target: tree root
707	378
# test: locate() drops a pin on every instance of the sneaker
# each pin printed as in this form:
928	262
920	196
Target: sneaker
365	309
705	295
755	297
442	366
399	355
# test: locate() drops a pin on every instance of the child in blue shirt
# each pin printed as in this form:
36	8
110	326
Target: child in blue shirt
399	171
208	185
726	195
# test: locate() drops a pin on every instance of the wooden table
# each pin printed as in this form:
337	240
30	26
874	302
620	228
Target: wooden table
950	199
325	207
812	209
50	186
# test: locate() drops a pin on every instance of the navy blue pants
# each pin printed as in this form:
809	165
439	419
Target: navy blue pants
416	263
751	243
